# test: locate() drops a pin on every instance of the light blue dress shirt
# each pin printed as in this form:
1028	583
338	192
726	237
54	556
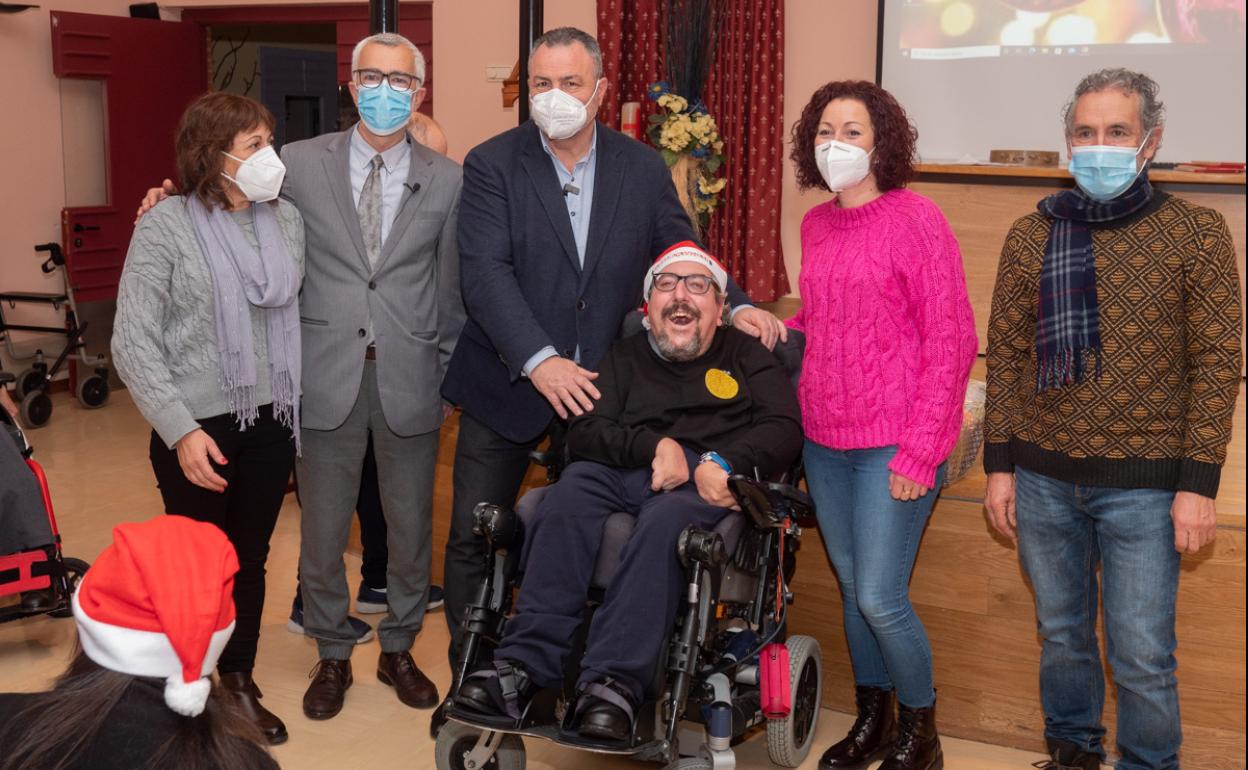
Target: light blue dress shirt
579	204
394	164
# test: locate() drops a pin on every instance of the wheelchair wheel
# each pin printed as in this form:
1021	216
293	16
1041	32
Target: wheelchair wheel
28	381
75	569
35	409
456	741
92	391
789	739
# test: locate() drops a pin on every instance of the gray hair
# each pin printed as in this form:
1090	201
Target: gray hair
567	36
1152	111
394	40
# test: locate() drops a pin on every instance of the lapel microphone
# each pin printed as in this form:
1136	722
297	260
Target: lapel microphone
570	188
414	187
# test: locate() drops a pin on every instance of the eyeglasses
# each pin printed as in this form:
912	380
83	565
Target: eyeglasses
696	283
402	82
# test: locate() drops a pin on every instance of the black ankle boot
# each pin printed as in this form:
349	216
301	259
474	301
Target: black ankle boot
918	745
1064	755
870	737
246	696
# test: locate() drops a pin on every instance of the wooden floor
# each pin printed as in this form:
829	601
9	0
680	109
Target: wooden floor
99	476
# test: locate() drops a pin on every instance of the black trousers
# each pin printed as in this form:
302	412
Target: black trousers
257	472
627	635
488	468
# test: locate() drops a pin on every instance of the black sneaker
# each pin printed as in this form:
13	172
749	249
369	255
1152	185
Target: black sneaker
363	631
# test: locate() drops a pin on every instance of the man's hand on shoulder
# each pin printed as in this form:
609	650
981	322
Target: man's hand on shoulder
567	386
154	195
761	324
712	483
1195	521
670	468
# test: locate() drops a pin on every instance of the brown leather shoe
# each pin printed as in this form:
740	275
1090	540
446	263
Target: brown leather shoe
330	680
414	689
246	698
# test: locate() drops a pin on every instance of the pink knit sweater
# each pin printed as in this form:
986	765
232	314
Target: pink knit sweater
890	337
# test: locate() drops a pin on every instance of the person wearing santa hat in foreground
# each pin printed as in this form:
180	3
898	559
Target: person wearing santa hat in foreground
153	614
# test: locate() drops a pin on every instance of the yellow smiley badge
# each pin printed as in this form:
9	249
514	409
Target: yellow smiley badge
721	384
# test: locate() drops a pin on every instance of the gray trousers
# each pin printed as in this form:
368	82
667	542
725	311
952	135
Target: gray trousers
329	483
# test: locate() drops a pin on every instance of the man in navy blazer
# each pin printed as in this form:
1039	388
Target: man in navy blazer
559	220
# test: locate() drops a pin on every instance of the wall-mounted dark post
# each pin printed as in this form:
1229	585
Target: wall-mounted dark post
383	16
531	29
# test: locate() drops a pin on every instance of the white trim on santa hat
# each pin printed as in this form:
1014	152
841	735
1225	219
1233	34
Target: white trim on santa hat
149	653
686	251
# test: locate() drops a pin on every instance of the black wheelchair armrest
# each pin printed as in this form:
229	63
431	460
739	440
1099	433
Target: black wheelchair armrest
767	503
6	377
799	504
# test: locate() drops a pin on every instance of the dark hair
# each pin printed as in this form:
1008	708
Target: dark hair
561	36
56	727
895	135
207	129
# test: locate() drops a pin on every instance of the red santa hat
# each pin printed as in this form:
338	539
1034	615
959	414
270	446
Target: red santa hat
159	602
687	251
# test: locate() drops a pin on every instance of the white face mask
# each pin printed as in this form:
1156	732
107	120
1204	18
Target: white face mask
842	165
260	175
559	114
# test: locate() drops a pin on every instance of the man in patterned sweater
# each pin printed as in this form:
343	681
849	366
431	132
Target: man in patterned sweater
1113	368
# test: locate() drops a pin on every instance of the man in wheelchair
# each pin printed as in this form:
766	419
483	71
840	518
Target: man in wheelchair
683	405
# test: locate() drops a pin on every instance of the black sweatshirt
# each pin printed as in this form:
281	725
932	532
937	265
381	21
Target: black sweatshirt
736	400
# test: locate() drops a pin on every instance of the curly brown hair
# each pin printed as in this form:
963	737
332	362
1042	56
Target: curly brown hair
895	135
207	129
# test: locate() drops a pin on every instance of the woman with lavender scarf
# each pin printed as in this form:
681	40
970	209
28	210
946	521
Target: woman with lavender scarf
206	338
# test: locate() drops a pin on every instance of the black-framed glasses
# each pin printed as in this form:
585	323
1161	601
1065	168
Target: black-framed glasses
400	81
695	283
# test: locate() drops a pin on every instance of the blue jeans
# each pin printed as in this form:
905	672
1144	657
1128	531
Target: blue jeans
1064	530
872	541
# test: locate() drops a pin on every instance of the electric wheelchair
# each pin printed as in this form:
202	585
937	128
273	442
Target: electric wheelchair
707	690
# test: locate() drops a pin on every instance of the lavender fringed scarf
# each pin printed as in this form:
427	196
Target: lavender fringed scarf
242	277
1068	327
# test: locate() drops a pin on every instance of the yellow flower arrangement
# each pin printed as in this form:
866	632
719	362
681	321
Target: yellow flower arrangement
683	131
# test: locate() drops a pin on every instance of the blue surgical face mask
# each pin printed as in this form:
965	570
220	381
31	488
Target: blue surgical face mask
1103	171
383	109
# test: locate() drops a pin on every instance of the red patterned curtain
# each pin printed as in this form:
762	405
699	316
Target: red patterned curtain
745	94
632	58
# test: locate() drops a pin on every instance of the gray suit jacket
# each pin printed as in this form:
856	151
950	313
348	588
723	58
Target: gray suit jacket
412	296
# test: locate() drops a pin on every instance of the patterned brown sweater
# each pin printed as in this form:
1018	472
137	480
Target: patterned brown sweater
1159	416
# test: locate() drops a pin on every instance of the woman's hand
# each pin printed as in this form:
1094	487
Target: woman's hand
902	488
195	449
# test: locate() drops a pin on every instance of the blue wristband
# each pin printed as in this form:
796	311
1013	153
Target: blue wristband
713	457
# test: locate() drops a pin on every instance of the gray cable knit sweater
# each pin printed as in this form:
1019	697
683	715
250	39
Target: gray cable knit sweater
164	333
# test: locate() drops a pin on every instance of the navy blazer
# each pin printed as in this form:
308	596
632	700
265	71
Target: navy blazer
522	282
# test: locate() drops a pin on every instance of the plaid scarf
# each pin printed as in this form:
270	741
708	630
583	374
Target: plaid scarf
1068	329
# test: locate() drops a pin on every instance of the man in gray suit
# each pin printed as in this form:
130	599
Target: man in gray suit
380	312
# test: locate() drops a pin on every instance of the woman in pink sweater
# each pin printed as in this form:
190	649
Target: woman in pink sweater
889	344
